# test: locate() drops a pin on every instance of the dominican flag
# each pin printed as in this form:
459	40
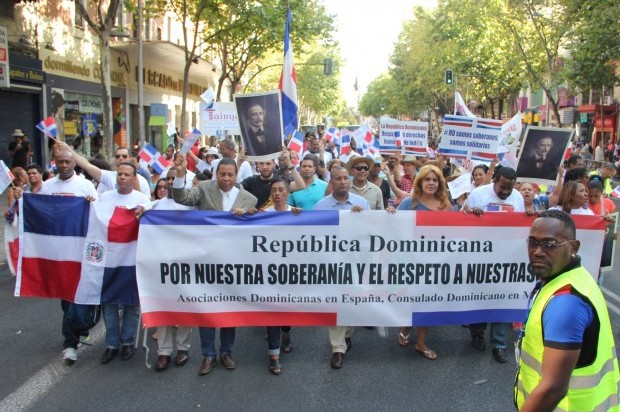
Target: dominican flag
297	142
616	192
332	134
460	108
288	83
364	135
48	127
345	144
11	241
77	251
155	159
399	139
6	176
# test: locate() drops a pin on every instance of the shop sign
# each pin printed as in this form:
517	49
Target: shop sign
23	74
4	58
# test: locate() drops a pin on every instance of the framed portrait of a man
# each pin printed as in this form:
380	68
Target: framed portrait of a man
542	154
260	121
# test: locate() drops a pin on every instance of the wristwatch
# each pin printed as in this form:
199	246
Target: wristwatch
291	167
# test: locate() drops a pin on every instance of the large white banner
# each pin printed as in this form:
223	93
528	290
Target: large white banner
404	136
219	116
471	138
339	268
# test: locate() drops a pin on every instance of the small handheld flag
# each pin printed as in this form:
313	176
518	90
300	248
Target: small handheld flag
297	142
48	127
6	177
190	140
150	155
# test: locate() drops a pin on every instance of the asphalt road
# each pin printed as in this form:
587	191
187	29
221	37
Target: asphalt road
378	374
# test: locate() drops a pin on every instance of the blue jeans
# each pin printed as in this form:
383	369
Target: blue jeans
498	335
273	340
207	341
115	333
71	336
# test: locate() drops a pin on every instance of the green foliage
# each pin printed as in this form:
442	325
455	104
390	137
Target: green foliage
262	32
594	45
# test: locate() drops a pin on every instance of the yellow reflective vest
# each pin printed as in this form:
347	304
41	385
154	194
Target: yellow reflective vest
607	189
592	387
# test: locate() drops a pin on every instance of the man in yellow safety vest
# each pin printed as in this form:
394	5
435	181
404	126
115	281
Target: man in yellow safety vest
567	359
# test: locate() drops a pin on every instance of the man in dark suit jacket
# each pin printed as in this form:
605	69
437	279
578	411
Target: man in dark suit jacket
220	194
539	164
261	138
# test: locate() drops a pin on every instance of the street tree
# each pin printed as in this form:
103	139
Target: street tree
100	18
243	45
594	45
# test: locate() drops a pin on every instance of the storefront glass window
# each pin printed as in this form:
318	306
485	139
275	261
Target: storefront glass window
83	120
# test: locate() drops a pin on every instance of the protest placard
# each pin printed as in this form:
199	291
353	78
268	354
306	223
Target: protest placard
471	138
404	136
220	117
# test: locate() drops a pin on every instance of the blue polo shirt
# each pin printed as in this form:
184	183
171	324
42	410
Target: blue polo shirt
307	198
330	203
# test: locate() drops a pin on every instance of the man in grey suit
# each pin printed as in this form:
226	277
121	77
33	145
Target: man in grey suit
219	194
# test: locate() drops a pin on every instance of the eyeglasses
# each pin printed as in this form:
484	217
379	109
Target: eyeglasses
161	187
361	168
544	244
124	156
169	178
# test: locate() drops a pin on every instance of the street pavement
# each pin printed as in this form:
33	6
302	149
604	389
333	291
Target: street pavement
378	374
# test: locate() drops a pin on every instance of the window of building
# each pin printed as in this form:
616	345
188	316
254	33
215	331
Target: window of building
78	19
147	28
158	33
82	123
7	8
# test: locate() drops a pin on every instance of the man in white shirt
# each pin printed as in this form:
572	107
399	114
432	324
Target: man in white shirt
107	178
498	196
67	183
228	150
115	334
219	194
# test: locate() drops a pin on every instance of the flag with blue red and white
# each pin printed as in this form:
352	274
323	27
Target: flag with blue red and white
288	84
155	159
48	127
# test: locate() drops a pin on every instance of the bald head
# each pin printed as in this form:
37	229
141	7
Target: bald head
65	163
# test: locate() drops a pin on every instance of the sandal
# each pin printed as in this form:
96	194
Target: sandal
403	340
427	353
274	366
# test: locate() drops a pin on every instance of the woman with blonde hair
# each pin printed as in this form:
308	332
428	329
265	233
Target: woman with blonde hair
430	192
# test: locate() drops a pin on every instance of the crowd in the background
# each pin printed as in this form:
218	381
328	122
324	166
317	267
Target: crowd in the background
318	178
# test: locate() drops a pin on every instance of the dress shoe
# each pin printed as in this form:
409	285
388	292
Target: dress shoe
228	361
128	352
162	363
348	342
108	355
478	343
500	355
207	366
182	357
337	360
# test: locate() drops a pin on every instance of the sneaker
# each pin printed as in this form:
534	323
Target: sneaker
69	356
84	340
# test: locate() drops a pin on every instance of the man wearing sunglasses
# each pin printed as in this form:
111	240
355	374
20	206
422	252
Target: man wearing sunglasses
107	178
359	168
567	358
